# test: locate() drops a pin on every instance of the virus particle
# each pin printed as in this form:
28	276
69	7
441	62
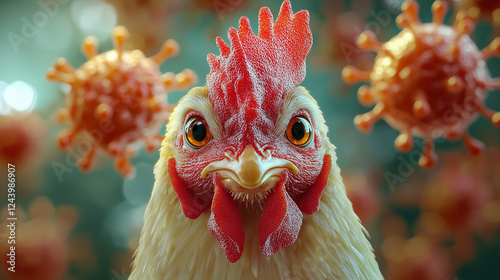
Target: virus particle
221	7
23	136
417	258
145	21
489	9
430	80
343	24
42	247
343	48
117	98
363	195
459	203
466	190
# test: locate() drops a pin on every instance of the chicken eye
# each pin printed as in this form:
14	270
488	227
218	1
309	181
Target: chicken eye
197	133
299	131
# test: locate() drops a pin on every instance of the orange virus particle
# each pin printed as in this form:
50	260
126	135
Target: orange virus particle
464	188
117	98
145	20
42	248
341	32
363	194
417	258
460	203
489	9
430	80
220	7
23	136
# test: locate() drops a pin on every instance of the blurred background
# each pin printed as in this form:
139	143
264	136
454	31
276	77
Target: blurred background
442	223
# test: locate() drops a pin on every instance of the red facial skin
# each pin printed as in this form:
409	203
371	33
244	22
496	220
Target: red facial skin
247	86
301	191
308	159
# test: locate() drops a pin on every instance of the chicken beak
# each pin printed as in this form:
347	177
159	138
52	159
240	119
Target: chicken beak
252	173
281	217
250	170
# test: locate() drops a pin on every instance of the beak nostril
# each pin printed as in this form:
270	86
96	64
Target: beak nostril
230	154
267	151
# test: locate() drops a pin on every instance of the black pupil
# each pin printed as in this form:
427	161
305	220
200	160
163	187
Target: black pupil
199	131
298	130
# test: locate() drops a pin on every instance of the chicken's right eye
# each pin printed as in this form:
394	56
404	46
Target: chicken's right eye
196	132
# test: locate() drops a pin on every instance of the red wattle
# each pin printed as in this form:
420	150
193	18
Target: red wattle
192	205
280	221
308	201
225	222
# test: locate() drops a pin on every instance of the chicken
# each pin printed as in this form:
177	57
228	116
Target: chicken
248	155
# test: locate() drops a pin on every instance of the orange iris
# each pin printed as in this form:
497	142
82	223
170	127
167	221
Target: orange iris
299	131
197	133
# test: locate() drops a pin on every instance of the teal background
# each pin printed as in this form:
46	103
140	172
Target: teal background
111	208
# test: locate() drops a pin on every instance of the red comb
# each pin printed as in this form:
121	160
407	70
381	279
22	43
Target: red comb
272	62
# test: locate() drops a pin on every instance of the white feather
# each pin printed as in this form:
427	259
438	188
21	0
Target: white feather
331	243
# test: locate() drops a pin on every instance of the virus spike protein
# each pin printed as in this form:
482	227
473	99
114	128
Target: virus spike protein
430	80
439	10
89	47
410	10
117	98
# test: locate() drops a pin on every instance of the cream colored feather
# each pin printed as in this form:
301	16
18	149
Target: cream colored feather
331	243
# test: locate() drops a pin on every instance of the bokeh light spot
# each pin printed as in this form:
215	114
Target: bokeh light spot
138	190
19	96
94	17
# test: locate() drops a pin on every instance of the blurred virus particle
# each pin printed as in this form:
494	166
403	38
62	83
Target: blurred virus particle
430	81
455	196
488	9
23	135
117	98
339	43
393	225
122	262
221	7
458	205
42	247
407	194
492	165
363	195
418	258
145	20
491	220
491	212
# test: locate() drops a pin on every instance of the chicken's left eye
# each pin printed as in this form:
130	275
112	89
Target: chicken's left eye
196	132
299	131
